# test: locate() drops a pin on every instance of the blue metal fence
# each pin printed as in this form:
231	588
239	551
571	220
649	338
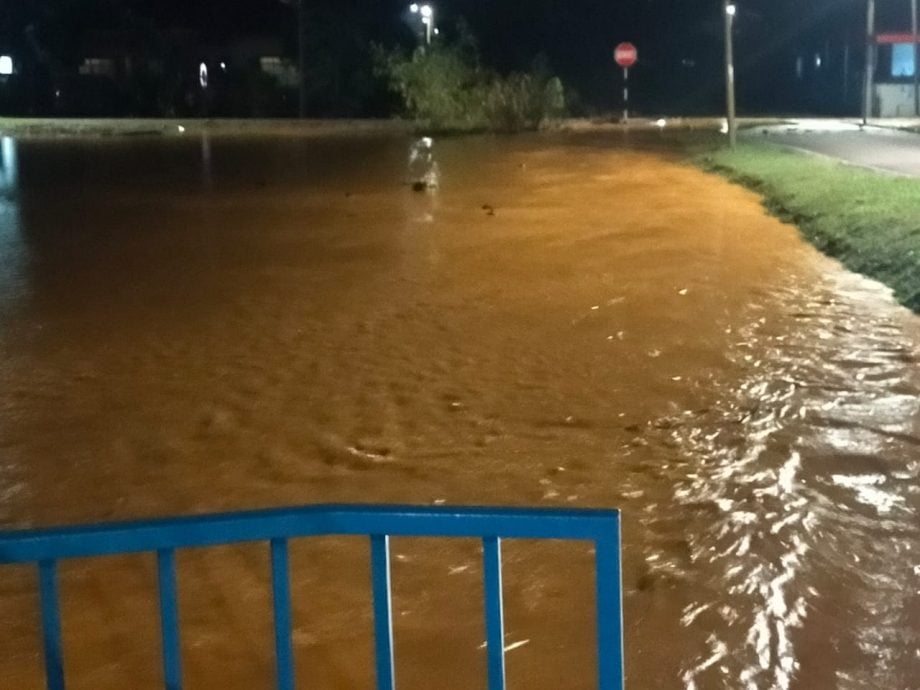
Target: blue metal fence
47	546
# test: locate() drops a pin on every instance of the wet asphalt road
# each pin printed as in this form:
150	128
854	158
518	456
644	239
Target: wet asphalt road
870	147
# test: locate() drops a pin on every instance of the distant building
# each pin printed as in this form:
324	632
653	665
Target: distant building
172	73
111	75
265	53
896	66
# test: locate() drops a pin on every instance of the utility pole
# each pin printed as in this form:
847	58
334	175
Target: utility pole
729	16
913	31
301	59
846	75
870	62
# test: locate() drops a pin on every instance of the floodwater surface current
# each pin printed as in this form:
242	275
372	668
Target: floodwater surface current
198	325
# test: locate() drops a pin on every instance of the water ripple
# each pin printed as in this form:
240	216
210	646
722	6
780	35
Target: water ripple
801	490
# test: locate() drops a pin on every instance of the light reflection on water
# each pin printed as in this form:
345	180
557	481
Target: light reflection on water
224	324
9	175
12	252
12	287
803	481
207	174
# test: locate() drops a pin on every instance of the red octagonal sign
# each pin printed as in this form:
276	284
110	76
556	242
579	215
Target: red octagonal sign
626	55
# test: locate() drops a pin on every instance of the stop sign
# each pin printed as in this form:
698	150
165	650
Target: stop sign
626	55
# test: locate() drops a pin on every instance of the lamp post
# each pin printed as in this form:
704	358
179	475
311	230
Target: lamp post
427	13
301	60
870	62
729	14
913	31
428	20
298	6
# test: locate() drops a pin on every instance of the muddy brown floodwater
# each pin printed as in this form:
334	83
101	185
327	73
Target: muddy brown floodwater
203	325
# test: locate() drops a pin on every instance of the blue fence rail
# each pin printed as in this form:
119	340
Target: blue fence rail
48	546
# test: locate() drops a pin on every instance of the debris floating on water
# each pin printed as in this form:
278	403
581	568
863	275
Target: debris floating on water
509	647
516	645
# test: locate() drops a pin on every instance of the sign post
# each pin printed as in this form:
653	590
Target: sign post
626	55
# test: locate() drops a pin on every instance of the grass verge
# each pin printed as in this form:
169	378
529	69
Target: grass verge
869	221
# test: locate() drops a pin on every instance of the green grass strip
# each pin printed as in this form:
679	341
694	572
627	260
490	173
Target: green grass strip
868	220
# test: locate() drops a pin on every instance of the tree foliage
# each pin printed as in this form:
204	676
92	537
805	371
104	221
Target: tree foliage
444	87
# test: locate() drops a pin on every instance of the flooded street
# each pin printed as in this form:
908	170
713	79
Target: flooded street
199	325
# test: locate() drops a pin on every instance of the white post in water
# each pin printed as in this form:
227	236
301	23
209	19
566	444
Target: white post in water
729	12
870	62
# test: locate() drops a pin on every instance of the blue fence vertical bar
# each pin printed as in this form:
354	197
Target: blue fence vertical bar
47	547
495	617
169	619
51	625
609	610
281	600
383	611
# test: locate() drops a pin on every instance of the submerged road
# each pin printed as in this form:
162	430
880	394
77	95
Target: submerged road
220	323
878	148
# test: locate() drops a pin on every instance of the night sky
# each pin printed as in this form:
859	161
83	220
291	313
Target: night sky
679	41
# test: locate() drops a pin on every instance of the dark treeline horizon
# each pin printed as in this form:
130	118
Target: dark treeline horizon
778	45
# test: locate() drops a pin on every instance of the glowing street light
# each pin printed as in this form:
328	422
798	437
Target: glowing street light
427	13
730	11
6	65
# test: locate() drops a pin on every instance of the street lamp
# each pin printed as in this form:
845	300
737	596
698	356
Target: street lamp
914	29
729	13
427	13
298	6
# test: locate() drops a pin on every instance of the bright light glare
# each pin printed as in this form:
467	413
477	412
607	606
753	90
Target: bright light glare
223	65
6	64
203	75
413	8
661	123
724	127
426	10
436	31
730	10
